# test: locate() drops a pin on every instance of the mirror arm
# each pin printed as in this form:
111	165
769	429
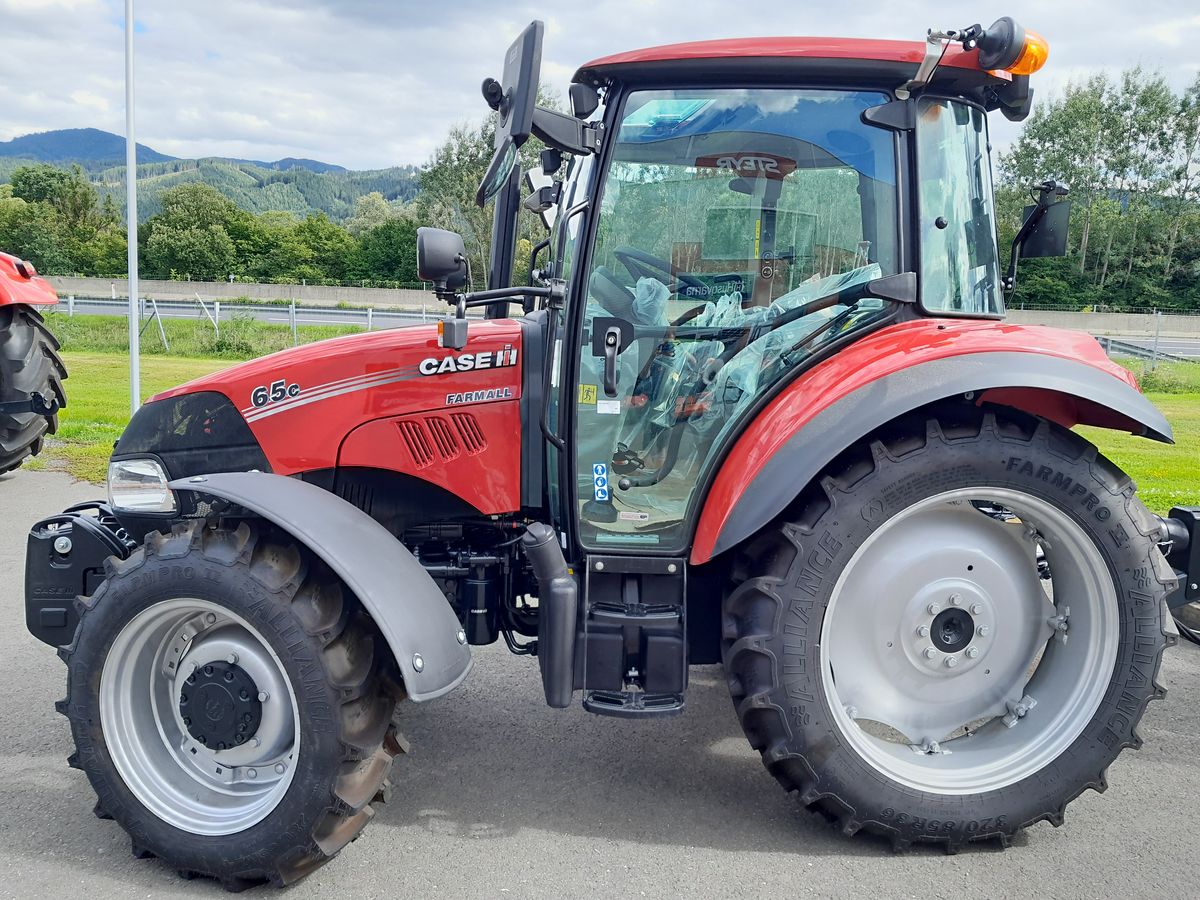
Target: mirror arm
565	132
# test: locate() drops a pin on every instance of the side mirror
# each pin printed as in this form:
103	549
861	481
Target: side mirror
442	259
543	195
1044	231
1048	237
513	98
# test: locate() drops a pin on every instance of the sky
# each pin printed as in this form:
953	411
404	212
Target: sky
373	83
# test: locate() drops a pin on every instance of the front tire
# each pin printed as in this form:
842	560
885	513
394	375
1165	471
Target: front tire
229	705
953	633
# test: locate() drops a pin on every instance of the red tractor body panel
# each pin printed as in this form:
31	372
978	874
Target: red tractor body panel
794	48
21	285
390	400
884	353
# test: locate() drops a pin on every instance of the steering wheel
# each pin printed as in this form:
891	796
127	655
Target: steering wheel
640	264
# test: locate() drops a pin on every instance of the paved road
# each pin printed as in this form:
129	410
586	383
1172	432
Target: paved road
502	797
1189	347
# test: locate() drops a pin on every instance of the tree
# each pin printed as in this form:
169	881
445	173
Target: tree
331	246
34	232
370	211
200	252
389	252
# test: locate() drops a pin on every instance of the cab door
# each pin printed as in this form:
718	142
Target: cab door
723	216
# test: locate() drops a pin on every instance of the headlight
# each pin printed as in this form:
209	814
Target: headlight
139	485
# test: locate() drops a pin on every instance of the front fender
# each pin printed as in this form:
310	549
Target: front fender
410	611
1063	376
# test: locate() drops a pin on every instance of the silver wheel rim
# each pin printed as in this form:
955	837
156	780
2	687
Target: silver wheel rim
1039	655
176	777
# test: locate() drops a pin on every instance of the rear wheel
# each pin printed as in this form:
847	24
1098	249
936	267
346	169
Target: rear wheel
29	364
954	633
228	705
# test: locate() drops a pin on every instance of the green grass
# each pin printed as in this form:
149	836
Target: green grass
98	407
1166	475
98	410
240	338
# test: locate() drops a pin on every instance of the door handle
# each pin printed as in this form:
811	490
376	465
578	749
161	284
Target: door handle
612	346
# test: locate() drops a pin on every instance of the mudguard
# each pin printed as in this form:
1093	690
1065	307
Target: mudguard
412	614
1062	376
20	284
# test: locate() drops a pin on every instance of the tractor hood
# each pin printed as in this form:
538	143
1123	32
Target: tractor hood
302	407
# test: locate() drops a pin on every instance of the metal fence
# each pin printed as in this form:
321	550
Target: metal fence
216	312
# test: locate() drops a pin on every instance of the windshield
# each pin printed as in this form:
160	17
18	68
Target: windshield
737	231
960	271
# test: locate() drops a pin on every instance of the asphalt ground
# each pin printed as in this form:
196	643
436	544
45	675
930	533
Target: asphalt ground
502	797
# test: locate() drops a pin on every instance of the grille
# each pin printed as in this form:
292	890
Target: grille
417	440
443	437
470	432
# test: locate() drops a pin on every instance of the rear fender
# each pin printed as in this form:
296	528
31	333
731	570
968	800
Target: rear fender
1062	376
20	285
412	614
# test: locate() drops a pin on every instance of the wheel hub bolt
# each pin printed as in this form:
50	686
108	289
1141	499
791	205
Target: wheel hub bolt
852	712
280	768
923	631
956	599
976	608
930	653
232	659
263	696
983	630
210	618
951	662
972	652
933	609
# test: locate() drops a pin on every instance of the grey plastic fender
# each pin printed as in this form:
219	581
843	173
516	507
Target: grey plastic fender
856	415
412	614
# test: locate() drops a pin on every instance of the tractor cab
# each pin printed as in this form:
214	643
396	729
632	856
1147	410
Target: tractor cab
729	212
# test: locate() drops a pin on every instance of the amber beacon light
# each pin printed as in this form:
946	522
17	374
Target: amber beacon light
1007	46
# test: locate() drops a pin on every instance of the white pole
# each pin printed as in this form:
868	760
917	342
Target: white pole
131	217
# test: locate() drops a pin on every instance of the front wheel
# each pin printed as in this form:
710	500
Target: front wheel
954	633
229	705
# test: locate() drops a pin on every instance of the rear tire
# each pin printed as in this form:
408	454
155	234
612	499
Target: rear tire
874	770
250	607
29	364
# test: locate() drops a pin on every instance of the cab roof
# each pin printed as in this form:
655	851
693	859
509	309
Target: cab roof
855	56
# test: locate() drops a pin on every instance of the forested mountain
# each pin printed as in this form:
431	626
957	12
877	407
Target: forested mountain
87	147
294	185
257	189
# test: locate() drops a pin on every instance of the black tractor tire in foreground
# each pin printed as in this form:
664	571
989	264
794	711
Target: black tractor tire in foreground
774	620
329	657
29	364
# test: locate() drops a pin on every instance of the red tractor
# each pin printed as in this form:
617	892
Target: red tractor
760	409
31	371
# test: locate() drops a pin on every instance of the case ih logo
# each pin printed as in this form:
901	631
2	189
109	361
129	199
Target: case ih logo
469	362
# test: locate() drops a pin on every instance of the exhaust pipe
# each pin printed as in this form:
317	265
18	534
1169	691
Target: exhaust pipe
558	605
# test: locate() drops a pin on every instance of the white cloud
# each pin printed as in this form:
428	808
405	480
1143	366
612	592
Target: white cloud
369	83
